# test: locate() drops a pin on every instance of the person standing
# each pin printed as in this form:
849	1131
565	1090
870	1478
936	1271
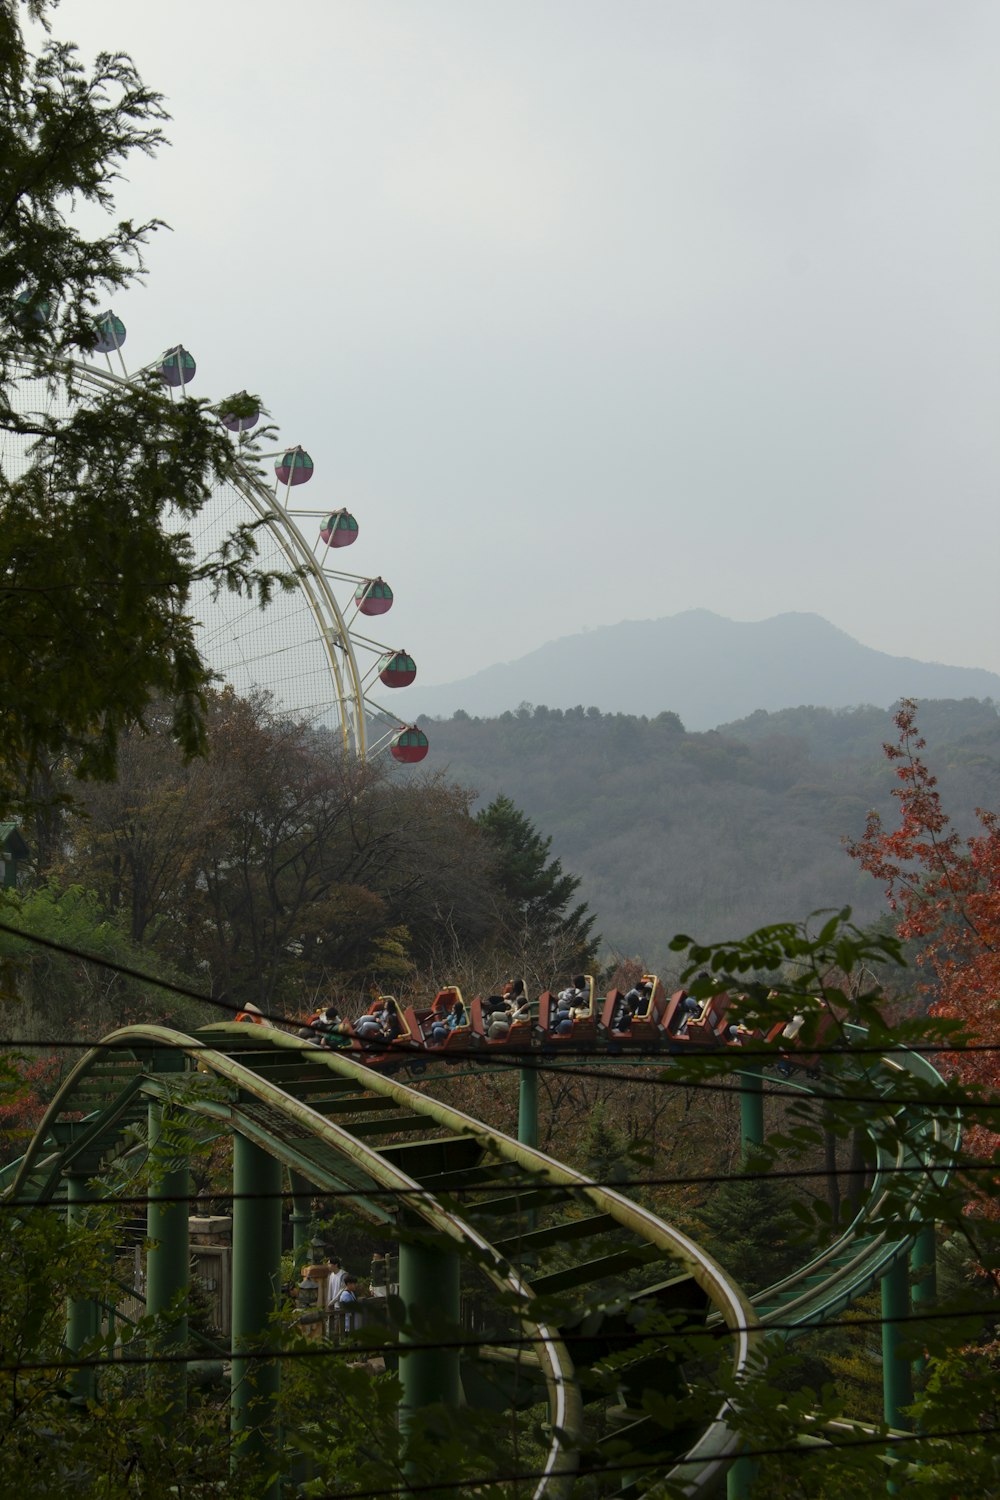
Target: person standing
379	1275
347	1303
335	1282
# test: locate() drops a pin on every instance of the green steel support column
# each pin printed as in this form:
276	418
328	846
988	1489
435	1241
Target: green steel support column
82	1315
429	1291
527	1107
301	1218
751	1107
923	1264
897	1387
527	1120
740	1479
256	1288
168	1258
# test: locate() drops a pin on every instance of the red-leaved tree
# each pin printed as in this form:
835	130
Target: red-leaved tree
946	892
25	1090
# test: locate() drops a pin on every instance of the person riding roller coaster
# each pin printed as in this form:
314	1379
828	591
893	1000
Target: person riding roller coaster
497	1016
327	1028
391	1036
572	1004
371	1027
444	1022
634	1002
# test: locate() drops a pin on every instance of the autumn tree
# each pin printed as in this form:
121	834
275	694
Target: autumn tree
138	839
245	866
26	1085
945	892
276	868
436	870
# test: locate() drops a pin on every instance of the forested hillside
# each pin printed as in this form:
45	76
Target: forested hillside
719	832
275	871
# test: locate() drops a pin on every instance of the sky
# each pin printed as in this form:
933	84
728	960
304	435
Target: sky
593	310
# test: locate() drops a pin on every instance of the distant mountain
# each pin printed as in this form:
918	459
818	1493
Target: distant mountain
705	668
720	832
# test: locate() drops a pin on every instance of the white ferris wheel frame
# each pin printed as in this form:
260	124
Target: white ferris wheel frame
269	507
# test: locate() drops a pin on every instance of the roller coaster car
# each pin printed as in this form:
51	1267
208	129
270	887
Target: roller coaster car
745	1036
645	1028
581	1031
423	1022
736	1034
381	1051
519	1035
810	1061
706	1029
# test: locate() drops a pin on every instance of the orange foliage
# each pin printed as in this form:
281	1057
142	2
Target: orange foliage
24	1098
946	890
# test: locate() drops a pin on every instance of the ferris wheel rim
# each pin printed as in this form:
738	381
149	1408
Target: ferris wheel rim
332	631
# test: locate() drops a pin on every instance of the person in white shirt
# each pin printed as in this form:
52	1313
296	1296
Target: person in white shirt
335	1283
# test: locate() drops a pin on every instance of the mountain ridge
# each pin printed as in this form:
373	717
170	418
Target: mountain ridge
706	668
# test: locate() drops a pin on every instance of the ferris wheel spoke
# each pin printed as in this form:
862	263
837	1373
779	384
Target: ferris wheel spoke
302	649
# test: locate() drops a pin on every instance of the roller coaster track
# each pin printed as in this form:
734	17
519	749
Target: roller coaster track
917	1150
345	1128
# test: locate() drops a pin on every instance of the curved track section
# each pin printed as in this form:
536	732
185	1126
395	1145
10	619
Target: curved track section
341	1126
917	1148
344	1127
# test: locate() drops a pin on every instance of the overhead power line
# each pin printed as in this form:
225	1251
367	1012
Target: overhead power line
717	1333
890	1441
488	1056
512	1189
232	1008
948	1098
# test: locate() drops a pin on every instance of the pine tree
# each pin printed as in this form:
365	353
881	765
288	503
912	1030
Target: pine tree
750	1227
537	889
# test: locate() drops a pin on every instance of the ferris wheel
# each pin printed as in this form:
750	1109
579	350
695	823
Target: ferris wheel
309	649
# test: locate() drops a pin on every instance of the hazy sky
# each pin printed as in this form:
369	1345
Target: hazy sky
595	310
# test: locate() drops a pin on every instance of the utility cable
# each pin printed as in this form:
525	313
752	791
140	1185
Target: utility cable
67	950
514	1189
486	1056
669	1080
354	1350
636	1465
176	987
886	1441
747	1054
538	1064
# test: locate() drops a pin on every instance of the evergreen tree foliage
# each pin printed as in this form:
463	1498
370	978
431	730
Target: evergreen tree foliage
750	1227
604	1146
94	582
538	890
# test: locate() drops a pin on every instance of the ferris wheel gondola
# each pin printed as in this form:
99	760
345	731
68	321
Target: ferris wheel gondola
304	650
